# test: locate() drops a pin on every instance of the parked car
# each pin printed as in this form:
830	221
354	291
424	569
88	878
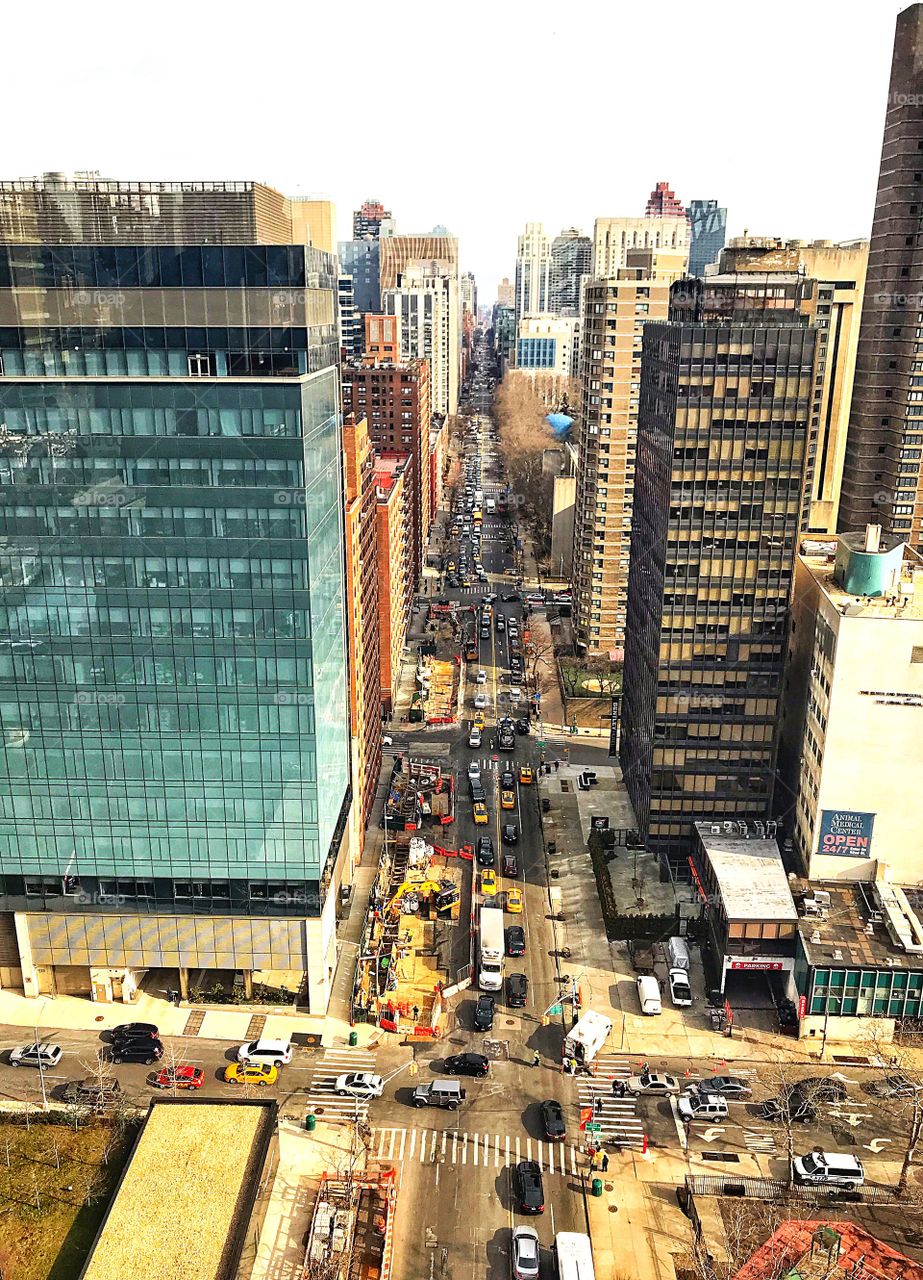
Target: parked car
896	1085
528	1188
44	1055
652	1084
526	1254
466	1064
517	990
147	1051
800	1101
134	1031
276	1052
484	1010
358	1084
728	1086
90	1092
254	1073
515	940
485	851
178	1078
553	1120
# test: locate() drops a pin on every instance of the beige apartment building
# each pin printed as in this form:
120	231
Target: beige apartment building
395	571
614	314
851	752
835	309
614	237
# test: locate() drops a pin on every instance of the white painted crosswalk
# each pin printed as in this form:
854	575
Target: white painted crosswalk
454	1147
321	1096
616	1116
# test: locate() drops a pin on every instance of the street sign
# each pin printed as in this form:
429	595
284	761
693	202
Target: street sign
556	1009
594	1127
541	744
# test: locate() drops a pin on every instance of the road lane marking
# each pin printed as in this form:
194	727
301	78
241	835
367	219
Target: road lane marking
413	1144
497	1151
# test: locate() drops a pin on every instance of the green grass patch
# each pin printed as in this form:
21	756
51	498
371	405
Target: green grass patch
55	1187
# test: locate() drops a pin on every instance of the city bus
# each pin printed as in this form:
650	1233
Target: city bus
573	1256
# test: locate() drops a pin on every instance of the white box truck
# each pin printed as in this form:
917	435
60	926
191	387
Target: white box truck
587	1037
492	945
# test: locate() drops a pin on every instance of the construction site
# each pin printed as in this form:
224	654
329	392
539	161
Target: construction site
435	700
415	902
350	1237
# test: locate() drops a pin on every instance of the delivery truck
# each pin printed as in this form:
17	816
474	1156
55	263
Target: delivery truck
585	1039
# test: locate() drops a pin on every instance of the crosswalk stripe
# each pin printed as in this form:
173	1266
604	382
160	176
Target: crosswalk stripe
445	1138
573	1161
497	1153
507	1148
454	1148
465	1150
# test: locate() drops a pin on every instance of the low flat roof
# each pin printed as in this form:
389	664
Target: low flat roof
186	1194
751	878
852	934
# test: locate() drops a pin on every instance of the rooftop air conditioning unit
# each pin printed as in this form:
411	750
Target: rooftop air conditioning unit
815	937
838	955
716	828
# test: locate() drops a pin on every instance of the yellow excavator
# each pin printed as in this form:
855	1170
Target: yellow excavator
446	895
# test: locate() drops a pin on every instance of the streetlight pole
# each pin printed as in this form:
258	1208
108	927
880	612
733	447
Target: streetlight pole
41	1064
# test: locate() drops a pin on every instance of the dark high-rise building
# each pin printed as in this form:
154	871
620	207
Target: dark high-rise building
175	782
368	219
708	228
882	481
721	492
361	259
571	260
662	203
349	319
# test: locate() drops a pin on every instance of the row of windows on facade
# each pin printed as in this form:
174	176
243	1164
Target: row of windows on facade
169	522
267	763
201	672
133	889
70	340
160	266
95	709
211	473
151	363
71	618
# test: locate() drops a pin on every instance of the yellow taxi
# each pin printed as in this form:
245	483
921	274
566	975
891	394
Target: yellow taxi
514	901
479	720
258	1073
480	814
488	882
507	799
525	774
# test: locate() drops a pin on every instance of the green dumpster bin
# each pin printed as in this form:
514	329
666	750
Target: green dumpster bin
597	1186
353	1039
310	1122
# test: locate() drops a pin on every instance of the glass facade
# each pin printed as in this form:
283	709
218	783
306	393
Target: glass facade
708	225
173	696
536	353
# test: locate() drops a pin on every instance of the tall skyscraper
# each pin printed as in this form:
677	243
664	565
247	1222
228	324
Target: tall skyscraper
367	220
349	319
662	203
175	781
834	306
533	271
721	492
614	315
425	300
361	259
882	481
571	261
402	253
469	295
708	225
614	237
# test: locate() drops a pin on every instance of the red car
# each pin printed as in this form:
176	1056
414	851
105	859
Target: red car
179	1078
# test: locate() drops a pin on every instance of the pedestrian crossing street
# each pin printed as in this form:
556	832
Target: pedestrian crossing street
321	1097
617	1116
454	1147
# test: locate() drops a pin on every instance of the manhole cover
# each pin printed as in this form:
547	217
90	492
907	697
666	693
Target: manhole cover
511	1022
319	1111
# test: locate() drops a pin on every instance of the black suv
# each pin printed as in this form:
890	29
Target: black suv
528	1184
517	990
515	940
144	1049
485	852
484	1013
135	1031
466	1064
510	833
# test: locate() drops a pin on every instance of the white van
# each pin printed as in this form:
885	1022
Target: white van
828	1169
677	953
649	994
703	1106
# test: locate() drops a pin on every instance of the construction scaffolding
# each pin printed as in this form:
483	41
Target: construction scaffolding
419	791
352	1227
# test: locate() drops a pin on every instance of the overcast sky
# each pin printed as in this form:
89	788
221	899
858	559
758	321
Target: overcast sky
481	116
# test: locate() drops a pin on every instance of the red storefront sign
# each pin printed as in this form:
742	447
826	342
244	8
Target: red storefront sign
756	964
802	1006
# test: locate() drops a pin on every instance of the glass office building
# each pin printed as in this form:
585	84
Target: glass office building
173	697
